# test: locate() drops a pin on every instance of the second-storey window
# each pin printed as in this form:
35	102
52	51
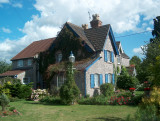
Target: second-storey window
29	62
108	56
58	57
20	63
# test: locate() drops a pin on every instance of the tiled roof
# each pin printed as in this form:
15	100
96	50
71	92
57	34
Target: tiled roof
125	56
12	73
81	65
81	34
97	36
34	48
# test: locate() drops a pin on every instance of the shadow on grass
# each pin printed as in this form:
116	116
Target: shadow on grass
39	103
108	119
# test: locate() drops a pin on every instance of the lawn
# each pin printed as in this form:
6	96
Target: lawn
32	111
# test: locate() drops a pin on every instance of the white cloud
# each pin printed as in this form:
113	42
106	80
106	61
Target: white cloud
6	30
4	1
18	5
137	51
123	15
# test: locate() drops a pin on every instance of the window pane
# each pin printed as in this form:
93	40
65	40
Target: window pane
20	63
109	56
60	80
59	57
29	62
109	78
96	80
26	80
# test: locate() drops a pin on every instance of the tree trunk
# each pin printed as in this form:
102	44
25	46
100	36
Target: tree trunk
3	108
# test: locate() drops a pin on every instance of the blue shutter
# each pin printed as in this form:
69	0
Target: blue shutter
105	55
106	78
101	79
113	80
112	55
92	80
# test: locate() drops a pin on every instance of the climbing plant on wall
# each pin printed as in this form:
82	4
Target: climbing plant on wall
65	42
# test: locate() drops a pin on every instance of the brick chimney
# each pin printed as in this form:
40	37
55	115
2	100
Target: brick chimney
85	26
95	22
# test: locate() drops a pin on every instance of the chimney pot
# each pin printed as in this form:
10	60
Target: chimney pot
85	26
96	22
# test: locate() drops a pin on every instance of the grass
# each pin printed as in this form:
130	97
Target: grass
32	111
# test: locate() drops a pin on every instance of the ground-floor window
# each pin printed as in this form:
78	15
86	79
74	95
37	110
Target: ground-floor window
60	79
109	78
26	80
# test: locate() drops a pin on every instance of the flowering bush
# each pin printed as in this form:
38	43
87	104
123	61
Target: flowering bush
38	94
147	89
119	100
131	89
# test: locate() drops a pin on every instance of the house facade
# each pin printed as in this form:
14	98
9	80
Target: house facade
97	56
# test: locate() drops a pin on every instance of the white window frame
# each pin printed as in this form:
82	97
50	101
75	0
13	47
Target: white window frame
28	80
20	63
29	62
109	78
96	80
63	79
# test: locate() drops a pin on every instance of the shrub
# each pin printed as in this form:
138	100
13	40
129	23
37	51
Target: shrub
98	100
4	101
146	114
12	108
107	89
119	100
51	100
25	91
126	82
69	92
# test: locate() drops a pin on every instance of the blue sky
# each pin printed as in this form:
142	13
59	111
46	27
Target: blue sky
25	21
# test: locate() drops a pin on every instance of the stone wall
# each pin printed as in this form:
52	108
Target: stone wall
100	67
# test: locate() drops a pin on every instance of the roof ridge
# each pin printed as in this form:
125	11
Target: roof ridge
75	25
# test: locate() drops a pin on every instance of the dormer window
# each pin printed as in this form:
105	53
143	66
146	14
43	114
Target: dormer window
109	56
20	63
58	57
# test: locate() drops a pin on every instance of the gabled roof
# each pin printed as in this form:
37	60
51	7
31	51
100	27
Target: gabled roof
12	73
97	36
94	37
124	55
80	32
34	48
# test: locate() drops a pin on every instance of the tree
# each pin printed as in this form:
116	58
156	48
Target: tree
135	60
4	101
69	91
156	30
4	66
151	51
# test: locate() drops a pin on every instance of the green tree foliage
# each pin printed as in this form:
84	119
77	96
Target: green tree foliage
156	30
151	51
69	91
4	101
135	60
155	73
107	89
4	66
125	81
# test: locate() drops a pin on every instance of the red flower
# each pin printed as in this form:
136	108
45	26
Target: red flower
146	82
147	89
131	89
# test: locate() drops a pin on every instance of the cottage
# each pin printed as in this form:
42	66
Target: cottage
97	56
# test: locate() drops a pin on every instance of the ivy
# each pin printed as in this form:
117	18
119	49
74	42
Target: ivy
66	42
